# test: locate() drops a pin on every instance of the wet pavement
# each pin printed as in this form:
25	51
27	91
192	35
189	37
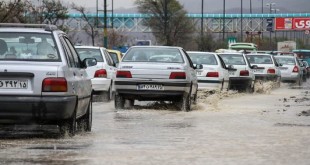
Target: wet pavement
271	127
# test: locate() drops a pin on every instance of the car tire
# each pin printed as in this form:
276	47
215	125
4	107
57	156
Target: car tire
85	122
185	103
106	96
119	102
195	98
68	127
131	103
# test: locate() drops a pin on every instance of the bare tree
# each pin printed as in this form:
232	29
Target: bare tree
90	27
13	11
116	38
167	20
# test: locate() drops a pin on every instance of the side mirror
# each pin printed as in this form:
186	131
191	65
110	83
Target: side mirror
198	66
87	62
254	67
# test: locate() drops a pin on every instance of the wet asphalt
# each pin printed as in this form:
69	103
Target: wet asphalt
259	128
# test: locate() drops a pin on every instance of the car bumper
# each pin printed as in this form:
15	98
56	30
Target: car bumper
210	84
290	78
172	90
100	84
36	109
266	77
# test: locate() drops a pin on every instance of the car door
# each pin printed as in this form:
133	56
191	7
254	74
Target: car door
78	78
111	69
192	71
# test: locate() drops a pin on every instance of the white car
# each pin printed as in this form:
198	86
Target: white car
290	69
102	74
214	74
265	67
242	77
156	73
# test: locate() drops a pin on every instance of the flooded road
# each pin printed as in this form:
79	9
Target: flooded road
270	127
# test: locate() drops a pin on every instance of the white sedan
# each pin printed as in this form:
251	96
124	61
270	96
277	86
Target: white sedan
290	69
242	77
156	73
214	74
102	74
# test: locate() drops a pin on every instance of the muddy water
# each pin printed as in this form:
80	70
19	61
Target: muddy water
266	127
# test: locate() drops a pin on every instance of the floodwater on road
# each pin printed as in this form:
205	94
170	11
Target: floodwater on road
271	126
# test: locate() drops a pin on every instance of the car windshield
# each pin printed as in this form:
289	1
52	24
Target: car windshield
27	47
233	59
285	60
89	53
259	59
154	54
202	58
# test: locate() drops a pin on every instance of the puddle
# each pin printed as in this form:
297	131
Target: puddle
304	113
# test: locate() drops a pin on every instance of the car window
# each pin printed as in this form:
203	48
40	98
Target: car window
108	58
89	53
259	59
114	57
189	59
233	59
285	61
28	47
163	55
73	52
206	58
69	57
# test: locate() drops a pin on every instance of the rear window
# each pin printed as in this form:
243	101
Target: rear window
259	59
90	53
28	47
233	59
285	61
152	54
200	58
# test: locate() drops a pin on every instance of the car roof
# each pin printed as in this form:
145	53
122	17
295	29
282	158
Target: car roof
200	52
259	54
156	47
282	56
19	27
91	47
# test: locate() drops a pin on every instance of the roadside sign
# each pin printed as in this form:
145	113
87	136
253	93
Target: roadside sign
292	23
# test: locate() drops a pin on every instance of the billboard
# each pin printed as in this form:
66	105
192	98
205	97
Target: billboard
286	46
292	23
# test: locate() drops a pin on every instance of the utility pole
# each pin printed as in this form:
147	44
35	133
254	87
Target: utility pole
224	6
165	23
241	28
105	30
201	47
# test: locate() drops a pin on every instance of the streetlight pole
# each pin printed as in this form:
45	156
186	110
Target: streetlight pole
251	38
270	9
241	28
105	38
224	6
201	47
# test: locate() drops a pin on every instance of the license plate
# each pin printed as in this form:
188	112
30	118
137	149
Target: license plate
231	73
258	70
13	84
150	87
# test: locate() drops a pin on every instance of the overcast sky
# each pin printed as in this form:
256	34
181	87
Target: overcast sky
209	5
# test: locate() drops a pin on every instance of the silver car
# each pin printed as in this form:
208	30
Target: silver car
242	77
42	80
156	73
290	69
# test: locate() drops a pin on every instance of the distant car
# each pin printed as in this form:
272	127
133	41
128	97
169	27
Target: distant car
307	66
42	79
156	73
265	67
102	74
242	77
290	69
115	55
214	74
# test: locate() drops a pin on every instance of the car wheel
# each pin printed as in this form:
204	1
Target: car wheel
85	122
68	127
107	95
131	103
119	102
195	98
185	103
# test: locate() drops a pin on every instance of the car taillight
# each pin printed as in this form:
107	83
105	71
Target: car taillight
101	73
54	85
244	73
212	74
271	71
123	74
295	69
177	75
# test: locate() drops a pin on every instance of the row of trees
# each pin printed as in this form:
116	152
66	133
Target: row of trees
168	22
